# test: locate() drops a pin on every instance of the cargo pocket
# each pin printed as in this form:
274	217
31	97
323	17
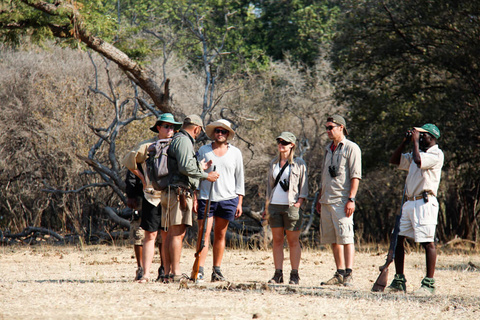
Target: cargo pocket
428	212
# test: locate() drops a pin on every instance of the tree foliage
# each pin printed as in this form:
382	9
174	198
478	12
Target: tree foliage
411	62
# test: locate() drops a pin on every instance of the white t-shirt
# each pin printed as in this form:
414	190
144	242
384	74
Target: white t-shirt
280	196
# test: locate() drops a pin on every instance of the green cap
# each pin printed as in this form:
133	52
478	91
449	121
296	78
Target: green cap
168	118
430	128
287	136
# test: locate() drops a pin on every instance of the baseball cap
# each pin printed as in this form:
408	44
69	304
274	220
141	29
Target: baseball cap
430	128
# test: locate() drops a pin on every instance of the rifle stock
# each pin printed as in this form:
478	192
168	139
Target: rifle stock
382	280
201	243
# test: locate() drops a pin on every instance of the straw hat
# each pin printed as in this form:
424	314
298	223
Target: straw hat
222	123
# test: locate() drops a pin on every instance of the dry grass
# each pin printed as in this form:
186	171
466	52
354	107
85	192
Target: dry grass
96	282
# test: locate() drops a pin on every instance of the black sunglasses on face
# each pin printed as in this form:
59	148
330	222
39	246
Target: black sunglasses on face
167	126
222	131
283	142
330	128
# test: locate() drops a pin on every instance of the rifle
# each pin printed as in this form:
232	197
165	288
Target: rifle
381	283
201	243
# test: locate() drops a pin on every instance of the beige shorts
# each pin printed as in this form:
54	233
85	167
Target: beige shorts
335	227
136	233
172	214
419	220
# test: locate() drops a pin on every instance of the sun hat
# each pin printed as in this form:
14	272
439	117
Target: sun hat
339	120
430	128
222	123
195	120
287	136
168	118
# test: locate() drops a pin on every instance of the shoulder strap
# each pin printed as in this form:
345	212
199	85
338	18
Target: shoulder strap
279	175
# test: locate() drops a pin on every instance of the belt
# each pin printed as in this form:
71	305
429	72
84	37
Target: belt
420	196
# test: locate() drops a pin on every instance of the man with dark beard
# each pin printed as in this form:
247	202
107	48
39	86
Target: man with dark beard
420	211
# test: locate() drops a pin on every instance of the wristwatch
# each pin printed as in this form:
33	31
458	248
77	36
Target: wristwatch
351	199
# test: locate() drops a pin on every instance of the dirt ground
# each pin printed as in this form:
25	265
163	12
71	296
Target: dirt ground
96	282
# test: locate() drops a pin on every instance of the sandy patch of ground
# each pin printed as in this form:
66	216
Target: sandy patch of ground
96	282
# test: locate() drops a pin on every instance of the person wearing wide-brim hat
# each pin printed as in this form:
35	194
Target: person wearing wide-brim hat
222	123
168	119
287	189
227	192
164	126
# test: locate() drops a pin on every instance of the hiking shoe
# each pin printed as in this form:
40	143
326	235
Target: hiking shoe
398	284
277	277
294	278
139	274
337	279
427	288
348	280
161	274
217	276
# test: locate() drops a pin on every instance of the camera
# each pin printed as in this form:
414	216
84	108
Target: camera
284	184
333	170
135	215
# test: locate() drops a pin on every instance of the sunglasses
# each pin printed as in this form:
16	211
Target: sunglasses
283	142
330	128
222	131
167	126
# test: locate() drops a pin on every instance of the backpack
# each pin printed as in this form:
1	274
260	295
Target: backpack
156	163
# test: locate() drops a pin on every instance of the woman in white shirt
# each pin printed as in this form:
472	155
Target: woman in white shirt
287	189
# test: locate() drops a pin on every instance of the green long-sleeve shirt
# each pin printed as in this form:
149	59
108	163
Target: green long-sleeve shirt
183	166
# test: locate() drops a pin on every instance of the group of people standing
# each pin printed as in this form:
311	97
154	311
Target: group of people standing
191	177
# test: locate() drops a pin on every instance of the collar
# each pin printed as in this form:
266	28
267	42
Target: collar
327	147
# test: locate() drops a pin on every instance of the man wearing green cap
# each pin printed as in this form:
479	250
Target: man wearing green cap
165	126
420	211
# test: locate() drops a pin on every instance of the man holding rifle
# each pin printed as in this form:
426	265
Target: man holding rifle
227	194
420	211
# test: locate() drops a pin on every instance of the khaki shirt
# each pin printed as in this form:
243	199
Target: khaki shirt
137	155
347	158
427	177
298	181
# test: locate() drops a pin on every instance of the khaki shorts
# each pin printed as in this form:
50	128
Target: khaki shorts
419	220
284	216
335	227
172	214
136	233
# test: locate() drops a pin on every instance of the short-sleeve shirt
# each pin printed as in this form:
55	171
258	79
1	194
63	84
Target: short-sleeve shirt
347	159
426	177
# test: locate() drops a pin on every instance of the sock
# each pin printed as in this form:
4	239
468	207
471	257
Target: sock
341	272
216	269
294	271
279	271
200	270
348	271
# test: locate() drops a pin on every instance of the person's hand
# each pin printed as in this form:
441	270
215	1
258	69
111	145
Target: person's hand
205	165
297	204
349	208
213	176
195	206
415	135
132	203
318	207
239	211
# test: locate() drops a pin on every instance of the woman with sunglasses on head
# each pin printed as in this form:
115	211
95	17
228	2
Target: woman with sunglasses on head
287	189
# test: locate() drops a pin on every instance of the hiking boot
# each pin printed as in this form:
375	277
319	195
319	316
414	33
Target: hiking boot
161	274
139	274
427	288
217	276
277	277
398	284
348	280
294	278
337	279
